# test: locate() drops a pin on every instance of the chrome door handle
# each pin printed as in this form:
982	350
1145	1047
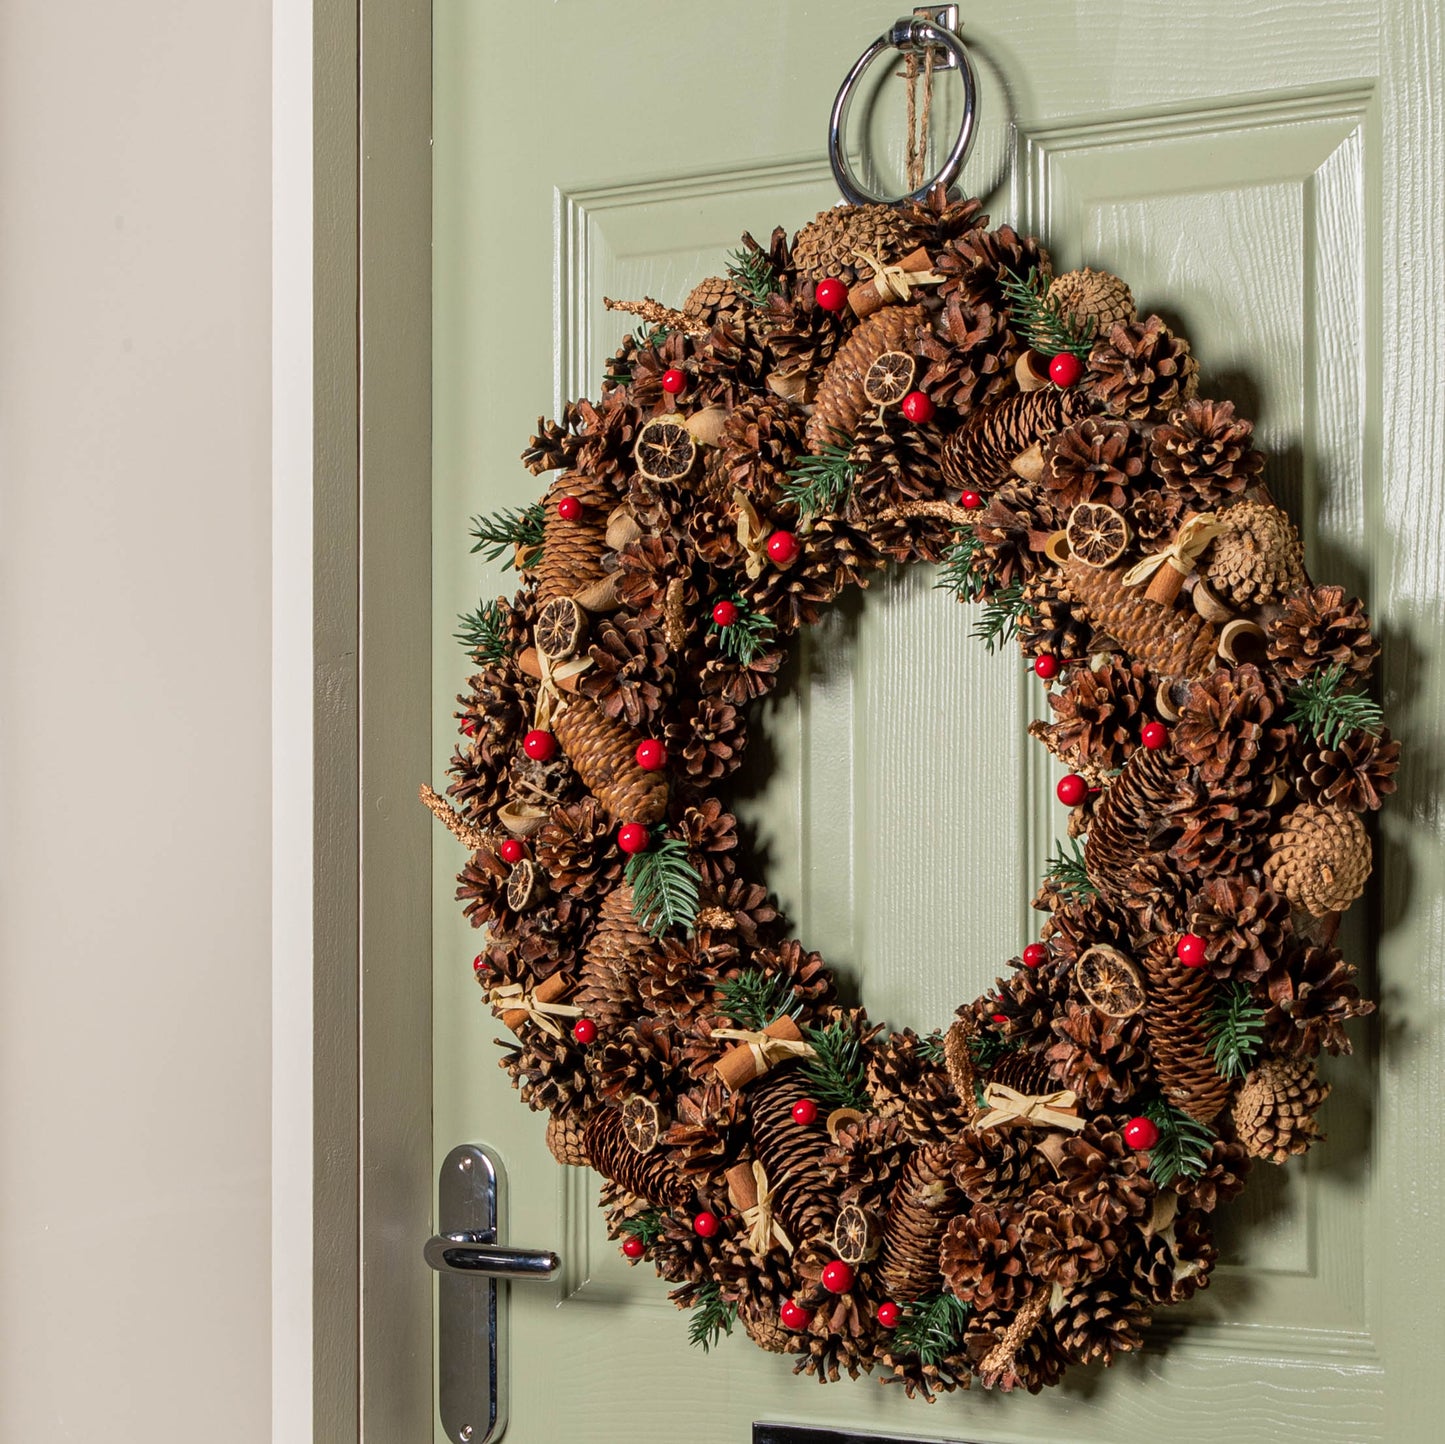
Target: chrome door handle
477	1252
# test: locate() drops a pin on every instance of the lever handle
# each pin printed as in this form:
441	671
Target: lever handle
478	1253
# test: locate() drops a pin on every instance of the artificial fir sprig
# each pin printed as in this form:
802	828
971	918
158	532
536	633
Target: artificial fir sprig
502	533
645	1226
1182	1149
1069	873
1236	1030
485	633
747	636
752	273
930	1048
664	886
1000	617
754	998
1331	711
834	1074
931	1328
986	1048
960	572
712	1316
1040	321
820	484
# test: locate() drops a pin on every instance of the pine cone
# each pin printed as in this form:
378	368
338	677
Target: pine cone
804	972
841	402
548	1075
709	739
977	263
1320	629
996	1165
980	454
1015	1349
801	336
577	848
1171	643
1094	301
630	675
1131	820
1066	1246
1025	1070
1358	774
1312	994
791	1156
1319	859
1244	925
829	244
676	981
543	785
1104	1060
1257	557
615	956
1097	716
924	1200
645	568
639	1060
916	1094
709	1134
1095	459
1177	1017
1100	1320
1154	516
1099	1172
565	1140
1012	530
896	461
865	1161
1027	1000
1225	1171
1047	621
760	440
648	1175
982	1258
572	550
1274	1111
709	300
971	353
604	752
1142	370
1232	726
1205	452
940	218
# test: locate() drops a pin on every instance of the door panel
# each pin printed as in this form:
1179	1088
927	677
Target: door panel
1234	167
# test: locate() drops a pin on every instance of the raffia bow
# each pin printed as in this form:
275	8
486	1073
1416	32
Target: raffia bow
550	697
1046	1110
765	1049
895	280
763	1227
513	998
1169	566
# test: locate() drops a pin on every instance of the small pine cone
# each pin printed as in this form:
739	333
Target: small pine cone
1064	1245
566	1142
615	956
1142	370
841	402
1274	1111
1257	557
916	1094
1097	716
1156	894
546	940
971	353
577	848
1025	1070
791	1156
554	447
639	1060
1100	1320
645	569
804	972
1312	993
865	1160
1319	628
1131	819
763	1326
677	982
1094	301
708	739
1176	1014
648	1175
1026	1000
977	263
712	297
1170	642
941	217
680	1255
1015	1349
981	1257
1095	459
604	752
630	674
801	337
924	1199
1104	1060
1010	528
790	597
731	361
1099	1172
1205	452
1245	926
980	453
1225	1170
548	1075
997	1164
572	550
1319	859
1047	620
1154	516
711	836
760	440
829	244
1358	773
709	1134
1232	726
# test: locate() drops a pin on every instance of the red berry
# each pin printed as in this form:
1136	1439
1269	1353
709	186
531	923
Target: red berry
470	727
805	1111
999	1017
1035	955
837	1277
1140	1133
540	746
783	548
1046	665
794	1316
1190	950
724	614
888	1315
970	501
632	838
918	407
706	1225
651	755
512	850
1072	790
633	1247
1065	369
479	964
569	508
584	1030
1153	735
832	294
673	381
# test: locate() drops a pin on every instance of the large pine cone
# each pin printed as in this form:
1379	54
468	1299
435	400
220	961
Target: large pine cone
648	1175
1096	459
980	454
996	1165
613	961
924	1199
1206	452
604	753
971	352
1170	642
1131	820
829	244
1094	301
1177	1017
1142	370
572	550
1319	628
791	1156
1320	859
1274	1112
841	402
630	674
1258	556
1244	925
1359	773
982	1258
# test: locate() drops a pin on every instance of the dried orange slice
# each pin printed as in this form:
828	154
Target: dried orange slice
890	378
665	449
854	1237
641	1124
559	627
522	885
1109	981
1097	534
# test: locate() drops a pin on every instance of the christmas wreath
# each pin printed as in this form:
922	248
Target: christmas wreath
1024	1189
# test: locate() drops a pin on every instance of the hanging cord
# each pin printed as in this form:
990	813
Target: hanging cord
918	140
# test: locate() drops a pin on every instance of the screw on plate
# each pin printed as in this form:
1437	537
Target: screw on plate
464	1433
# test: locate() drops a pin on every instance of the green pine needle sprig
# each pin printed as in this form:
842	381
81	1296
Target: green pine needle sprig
747	638
834	1075
664	886
931	1328
960	572
1183	1147
1042	322
1330	711
712	1317
754	998
486	632
986	1048
818	485
1068	872
930	1048
752	273
502	533
646	1226
1000	617
1236	1030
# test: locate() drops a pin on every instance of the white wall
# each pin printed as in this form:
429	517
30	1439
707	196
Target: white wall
135	716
